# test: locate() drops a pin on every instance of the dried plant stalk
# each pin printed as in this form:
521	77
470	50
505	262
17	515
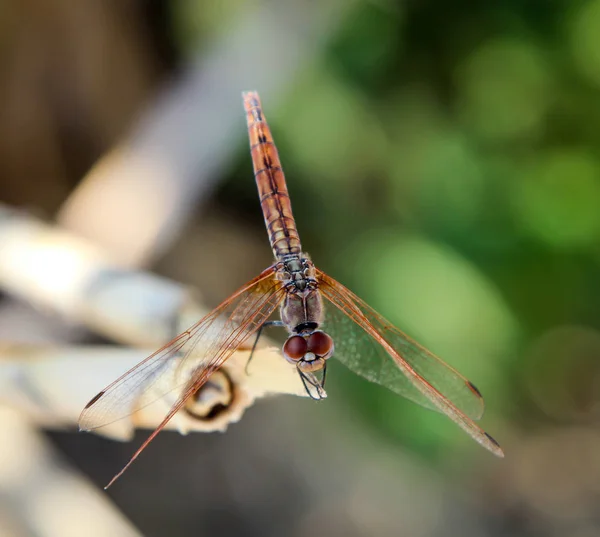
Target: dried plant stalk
52	384
55	270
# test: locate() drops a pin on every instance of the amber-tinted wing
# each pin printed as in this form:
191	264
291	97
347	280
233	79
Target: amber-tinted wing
184	364
370	346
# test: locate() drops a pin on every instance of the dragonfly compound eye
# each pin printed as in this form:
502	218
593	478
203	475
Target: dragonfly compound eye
295	348
321	344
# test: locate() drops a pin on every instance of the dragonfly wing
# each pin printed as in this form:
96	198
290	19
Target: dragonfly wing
218	334
190	357
373	348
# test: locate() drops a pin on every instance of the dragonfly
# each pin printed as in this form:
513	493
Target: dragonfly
323	318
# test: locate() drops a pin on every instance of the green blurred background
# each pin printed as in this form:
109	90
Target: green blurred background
442	159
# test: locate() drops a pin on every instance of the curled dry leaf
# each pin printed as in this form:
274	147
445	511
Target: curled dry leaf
51	385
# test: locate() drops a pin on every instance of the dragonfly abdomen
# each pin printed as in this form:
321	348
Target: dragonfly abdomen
274	197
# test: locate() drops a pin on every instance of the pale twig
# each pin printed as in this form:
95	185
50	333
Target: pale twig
51	384
54	270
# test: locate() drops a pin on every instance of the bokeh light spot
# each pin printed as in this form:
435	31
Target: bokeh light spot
562	373
557	199
506	89
330	130
447	181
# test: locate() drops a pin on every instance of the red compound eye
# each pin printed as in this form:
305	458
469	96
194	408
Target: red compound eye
295	348
320	343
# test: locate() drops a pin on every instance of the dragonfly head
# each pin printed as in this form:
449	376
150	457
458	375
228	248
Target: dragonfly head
308	351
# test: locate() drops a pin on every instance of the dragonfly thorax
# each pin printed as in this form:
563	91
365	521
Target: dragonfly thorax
302	307
297	273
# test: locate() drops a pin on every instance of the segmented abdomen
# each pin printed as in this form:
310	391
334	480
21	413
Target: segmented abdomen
274	197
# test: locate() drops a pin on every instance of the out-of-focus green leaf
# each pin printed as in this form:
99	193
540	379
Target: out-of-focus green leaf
557	198
333	134
367	45
584	34
446	183
505	89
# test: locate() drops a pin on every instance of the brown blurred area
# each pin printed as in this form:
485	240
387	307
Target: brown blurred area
74	76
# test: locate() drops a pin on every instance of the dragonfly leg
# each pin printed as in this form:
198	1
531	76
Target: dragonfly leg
310	380
258	334
306	383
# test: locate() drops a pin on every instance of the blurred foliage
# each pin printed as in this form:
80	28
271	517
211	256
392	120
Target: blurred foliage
441	159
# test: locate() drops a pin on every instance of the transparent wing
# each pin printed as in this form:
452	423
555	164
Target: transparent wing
218	335
191	357
371	347
366	356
